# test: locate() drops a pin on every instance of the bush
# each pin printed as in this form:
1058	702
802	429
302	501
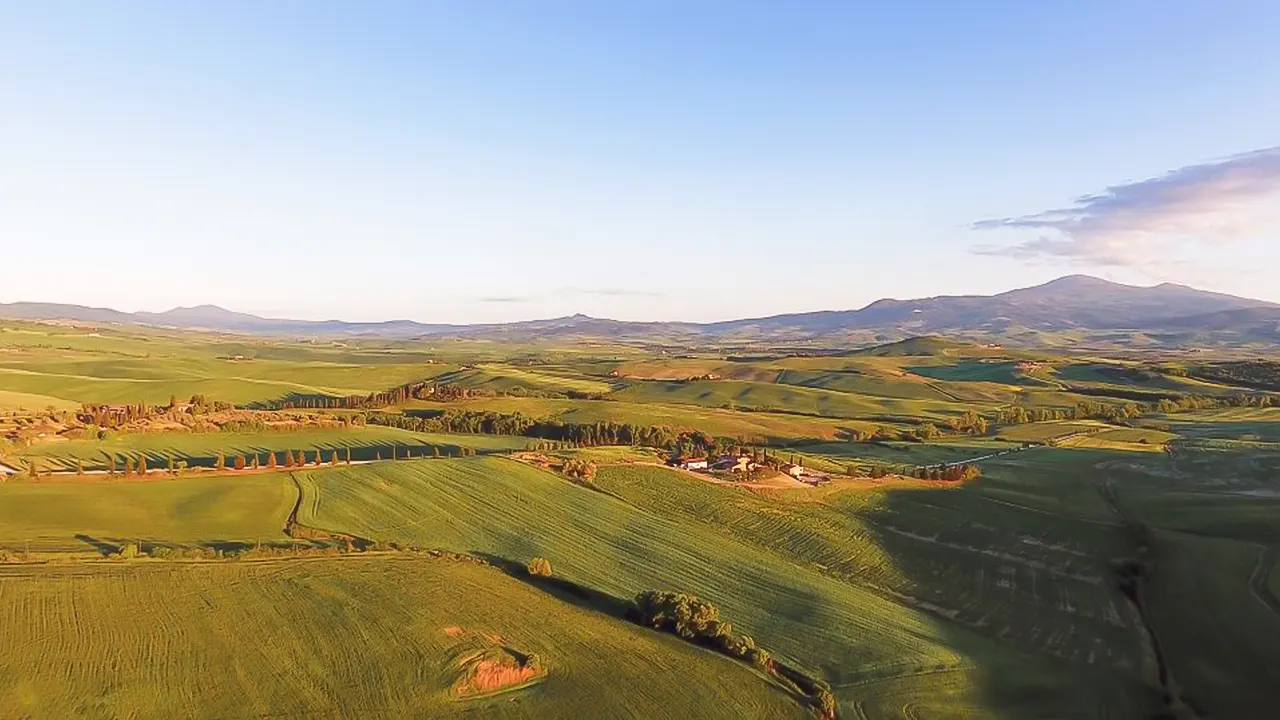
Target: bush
685	615
539	567
579	469
826	704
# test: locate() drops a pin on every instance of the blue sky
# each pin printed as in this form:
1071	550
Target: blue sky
482	161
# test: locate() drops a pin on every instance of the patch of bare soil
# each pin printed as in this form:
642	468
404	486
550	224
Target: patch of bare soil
490	676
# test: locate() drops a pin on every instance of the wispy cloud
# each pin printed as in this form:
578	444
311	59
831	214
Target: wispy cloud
505	299
1141	224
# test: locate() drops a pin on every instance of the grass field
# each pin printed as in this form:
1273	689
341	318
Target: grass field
1219	622
780	427
1004	372
730	394
10	400
864	384
337	637
187	511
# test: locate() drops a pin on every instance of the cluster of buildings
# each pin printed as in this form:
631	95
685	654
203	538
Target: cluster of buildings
745	464
722	463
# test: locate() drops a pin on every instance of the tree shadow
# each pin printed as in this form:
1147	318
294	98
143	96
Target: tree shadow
104	548
562	589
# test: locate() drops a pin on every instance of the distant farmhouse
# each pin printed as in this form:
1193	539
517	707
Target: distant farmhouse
698	463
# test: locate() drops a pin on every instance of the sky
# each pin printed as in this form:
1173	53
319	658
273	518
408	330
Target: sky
687	160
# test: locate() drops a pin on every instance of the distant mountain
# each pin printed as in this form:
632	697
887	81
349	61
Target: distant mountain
1071	303
1075	301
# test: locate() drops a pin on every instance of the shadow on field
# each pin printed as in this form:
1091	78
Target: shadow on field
158	461
1016	573
108	547
568	591
103	548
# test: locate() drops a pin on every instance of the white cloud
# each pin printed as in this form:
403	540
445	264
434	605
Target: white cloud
1152	223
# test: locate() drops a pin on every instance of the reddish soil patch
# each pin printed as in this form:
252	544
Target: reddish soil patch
489	676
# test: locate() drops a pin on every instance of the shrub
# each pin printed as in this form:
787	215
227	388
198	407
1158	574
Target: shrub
685	615
580	469
826	704
539	567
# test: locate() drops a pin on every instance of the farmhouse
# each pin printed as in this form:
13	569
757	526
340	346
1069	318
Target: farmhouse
794	471
698	463
734	463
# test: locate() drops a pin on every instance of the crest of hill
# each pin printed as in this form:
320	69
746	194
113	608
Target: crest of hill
927	345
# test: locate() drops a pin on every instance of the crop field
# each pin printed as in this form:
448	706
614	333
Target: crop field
1004	373
202	448
185	511
648	529
14	401
1045	431
506	378
770	426
1219	621
730	394
863	384
348	636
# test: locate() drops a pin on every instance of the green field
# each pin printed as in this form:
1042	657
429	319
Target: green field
734	394
650	528
298	591
337	637
202	448
771	427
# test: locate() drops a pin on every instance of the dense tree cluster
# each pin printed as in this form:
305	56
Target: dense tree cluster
698	621
1261	374
582	434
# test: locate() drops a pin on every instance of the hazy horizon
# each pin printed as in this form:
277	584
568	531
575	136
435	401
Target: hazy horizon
450	162
446	321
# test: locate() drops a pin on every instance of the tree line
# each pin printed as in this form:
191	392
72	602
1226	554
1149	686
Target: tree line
685	442
1088	410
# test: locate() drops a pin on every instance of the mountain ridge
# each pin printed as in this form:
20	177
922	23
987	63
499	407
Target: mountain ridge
1072	302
